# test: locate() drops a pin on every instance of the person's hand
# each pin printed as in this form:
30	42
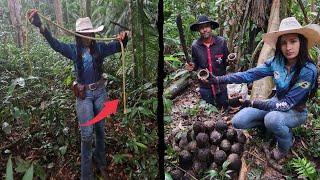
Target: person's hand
236	102
123	36
189	66
245	103
212	79
34	18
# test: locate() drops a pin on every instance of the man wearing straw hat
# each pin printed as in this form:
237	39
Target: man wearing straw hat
296	81
210	52
87	56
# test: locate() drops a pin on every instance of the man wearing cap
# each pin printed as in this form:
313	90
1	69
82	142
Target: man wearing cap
87	56
296	79
210	52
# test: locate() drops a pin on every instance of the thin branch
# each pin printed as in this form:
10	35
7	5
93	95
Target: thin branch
256	156
124	27
303	11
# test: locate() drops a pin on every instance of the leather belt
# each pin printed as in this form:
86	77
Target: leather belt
95	85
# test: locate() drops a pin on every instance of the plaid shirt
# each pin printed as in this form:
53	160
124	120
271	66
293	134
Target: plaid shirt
70	52
217	52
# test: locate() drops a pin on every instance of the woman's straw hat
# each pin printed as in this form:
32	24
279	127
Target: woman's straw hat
291	25
84	25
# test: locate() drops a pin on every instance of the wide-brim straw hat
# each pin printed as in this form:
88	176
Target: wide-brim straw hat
291	25
84	25
203	19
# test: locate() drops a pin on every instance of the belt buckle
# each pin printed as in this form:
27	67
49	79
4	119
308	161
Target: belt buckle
92	88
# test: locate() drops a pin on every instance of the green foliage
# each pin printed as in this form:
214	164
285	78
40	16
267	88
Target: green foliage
223	174
9	171
29	173
167	176
30	169
208	108
254	174
304	168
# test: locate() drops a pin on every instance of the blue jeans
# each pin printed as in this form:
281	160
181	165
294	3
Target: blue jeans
87	109
277	122
221	99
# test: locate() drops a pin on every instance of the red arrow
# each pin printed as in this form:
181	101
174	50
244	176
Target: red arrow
110	108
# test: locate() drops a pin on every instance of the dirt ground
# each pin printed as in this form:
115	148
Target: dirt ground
69	168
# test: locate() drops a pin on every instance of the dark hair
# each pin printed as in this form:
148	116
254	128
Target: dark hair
303	58
97	60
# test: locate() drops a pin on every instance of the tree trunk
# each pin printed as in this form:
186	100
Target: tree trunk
82	8
143	39
15	17
284	9
262	88
303	11
312	7
178	86
58	12
88	8
67	12
132	12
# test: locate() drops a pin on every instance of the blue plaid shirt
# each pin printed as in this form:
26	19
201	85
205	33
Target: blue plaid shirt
70	52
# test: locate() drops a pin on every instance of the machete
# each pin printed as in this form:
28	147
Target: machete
182	40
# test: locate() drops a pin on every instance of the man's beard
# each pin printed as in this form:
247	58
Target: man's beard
206	35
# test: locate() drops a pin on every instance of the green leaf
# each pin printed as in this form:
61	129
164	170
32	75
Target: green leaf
21	114
40	172
168	58
141	145
11	89
22	166
180	73
9	171
68	80
167	176
167	119
212	173
63	150
29	174
225	164
203	5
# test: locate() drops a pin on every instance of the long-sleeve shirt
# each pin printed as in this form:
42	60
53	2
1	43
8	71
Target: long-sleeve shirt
70	52
288	99
217	52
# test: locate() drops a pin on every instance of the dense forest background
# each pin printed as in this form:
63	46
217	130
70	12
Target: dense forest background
40	134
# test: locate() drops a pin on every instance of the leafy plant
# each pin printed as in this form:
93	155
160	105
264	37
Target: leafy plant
223	174
208	108
254	174
304	168
28	170
9	171
167	176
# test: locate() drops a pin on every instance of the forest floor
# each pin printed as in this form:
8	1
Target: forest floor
63	167
255	163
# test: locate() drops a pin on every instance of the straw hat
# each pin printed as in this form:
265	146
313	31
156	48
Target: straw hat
84	25
291	25
202	20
